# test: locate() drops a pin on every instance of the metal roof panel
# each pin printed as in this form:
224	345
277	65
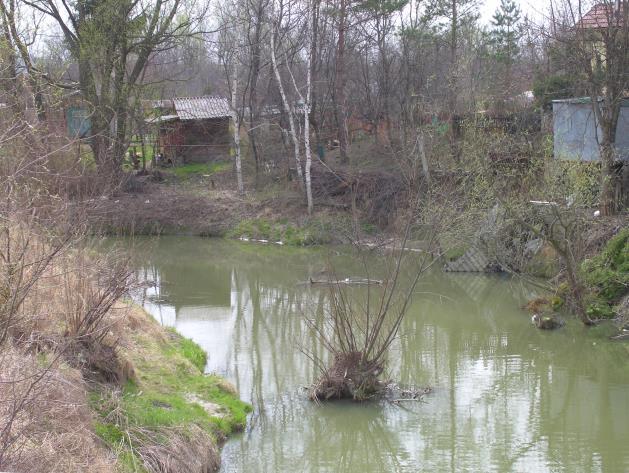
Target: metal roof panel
198	108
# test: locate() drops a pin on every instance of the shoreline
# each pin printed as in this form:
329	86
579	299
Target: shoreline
168	412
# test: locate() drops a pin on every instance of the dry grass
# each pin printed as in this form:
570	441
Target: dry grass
53	429
178	450
65	388
58	329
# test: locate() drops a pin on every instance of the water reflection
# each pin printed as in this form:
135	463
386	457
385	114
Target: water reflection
507	397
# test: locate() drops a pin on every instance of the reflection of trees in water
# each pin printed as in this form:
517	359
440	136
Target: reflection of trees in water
270	328
367	443
517	392
527	375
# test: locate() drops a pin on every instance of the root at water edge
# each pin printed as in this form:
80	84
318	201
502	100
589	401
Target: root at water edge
349	377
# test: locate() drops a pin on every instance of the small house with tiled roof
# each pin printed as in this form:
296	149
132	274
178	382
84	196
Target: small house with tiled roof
603	15
192	129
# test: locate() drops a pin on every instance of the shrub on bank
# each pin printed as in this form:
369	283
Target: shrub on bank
607	275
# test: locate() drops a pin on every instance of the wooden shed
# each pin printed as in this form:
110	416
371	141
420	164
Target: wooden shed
193	129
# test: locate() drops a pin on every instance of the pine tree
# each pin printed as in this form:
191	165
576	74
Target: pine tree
504	38
506	32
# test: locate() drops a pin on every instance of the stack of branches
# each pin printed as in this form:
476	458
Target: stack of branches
376	194
358	333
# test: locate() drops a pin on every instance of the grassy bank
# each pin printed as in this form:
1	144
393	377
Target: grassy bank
607	276
168	416
314	231
199	200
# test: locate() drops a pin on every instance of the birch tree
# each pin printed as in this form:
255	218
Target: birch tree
310	48
288	109
237	121
310	52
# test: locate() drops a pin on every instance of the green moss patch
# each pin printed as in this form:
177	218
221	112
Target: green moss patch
313	232
171	396
607	275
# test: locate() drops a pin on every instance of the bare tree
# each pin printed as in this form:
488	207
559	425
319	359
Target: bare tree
288	107
111	42
596	38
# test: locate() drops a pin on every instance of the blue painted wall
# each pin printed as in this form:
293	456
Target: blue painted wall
576	134
78	122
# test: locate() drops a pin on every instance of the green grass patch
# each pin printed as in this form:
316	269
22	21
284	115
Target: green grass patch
170	391
188	170
314	232
194	353
455	253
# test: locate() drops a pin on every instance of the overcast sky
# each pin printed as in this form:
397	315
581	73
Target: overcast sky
533	8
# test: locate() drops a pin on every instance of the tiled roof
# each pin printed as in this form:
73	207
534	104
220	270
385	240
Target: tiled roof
600	14
195	108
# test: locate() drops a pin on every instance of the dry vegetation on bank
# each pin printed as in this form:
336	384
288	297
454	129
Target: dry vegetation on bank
89	382
93	384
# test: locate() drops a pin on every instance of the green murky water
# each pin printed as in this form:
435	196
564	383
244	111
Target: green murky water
507	397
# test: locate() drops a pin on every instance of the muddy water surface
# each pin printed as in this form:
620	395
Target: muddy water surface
507	397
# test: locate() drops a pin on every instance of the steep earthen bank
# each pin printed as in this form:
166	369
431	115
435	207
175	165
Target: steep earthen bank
158	413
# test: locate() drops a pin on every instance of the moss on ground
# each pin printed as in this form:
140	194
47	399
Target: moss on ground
313	232
607	276
170	396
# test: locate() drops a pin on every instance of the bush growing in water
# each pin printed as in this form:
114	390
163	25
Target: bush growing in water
361	326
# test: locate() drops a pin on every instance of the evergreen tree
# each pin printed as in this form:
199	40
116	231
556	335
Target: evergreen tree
506	32
504	38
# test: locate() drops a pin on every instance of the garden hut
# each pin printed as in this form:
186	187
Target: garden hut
193	129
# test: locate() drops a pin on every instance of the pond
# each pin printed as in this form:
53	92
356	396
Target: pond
506	396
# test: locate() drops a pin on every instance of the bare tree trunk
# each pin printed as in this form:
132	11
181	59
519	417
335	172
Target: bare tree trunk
607	118
307	111
609	201
241	187
253	87
452	80
289	112
576	287
339	83
422	156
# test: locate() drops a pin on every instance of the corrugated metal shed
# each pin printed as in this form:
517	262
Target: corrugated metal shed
576	134
198	108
